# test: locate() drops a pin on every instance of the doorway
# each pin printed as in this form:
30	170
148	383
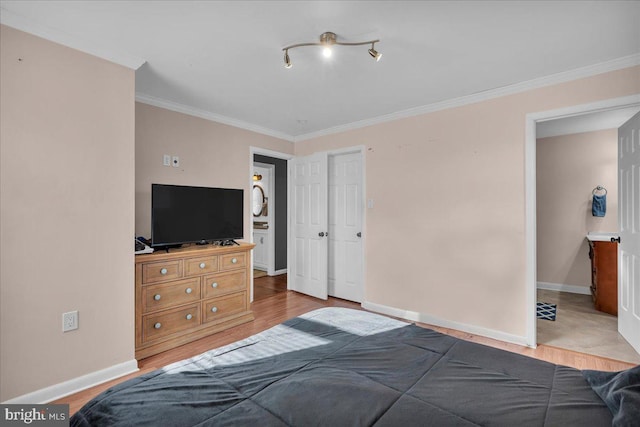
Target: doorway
530	185
274	270
577	158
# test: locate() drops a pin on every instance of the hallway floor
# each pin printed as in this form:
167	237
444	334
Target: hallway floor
267	286
580	327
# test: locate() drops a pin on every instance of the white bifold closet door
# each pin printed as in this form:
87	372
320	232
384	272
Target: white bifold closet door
326	213
345	226
308	210
629	220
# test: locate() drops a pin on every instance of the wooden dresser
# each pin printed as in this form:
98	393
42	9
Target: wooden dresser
189	293
604	275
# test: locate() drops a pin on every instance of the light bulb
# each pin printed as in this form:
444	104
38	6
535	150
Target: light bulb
326	52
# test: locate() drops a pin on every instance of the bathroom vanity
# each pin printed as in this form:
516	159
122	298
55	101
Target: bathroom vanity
603	252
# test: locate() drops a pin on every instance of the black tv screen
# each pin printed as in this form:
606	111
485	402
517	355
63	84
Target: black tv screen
184	214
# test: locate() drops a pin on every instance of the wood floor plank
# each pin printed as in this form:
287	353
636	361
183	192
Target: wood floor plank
276	309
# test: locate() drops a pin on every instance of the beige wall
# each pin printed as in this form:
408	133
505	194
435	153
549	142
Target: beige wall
568	168
211	155
446	235
66	197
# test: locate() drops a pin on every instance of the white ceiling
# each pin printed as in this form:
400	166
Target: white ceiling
223	59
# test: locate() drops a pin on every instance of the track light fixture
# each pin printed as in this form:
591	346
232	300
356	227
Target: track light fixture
327	40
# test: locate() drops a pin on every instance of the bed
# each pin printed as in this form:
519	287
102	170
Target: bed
337	366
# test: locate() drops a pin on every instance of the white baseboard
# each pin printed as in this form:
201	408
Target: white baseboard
436	321
279	272
57	391
561	287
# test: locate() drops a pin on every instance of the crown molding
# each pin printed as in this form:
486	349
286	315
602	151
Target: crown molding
207	115
578	73
21	23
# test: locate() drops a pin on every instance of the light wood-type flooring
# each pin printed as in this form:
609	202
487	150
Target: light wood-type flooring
272	310
580	327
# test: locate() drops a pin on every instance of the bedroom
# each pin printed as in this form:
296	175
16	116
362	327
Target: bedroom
70	206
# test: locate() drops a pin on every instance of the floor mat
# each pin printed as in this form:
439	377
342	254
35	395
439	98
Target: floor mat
546	311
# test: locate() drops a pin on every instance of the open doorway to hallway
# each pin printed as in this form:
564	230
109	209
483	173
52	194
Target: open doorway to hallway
269	227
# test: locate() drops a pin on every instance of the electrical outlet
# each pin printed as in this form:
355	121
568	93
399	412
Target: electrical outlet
166	160
176	161
69	321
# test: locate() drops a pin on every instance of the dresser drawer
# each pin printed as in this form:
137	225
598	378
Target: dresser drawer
221	307
201	265
233	261
156	297
159	325
224	283
153	272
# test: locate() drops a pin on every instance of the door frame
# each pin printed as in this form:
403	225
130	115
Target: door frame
276	155
271	198
531	120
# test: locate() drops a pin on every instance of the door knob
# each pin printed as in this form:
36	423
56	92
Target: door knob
359	234
321	234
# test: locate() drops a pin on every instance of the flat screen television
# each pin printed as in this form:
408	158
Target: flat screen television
184	214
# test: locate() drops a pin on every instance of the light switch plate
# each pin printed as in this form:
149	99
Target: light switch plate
176	161
166	160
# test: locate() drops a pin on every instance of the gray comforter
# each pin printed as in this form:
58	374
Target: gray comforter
339	367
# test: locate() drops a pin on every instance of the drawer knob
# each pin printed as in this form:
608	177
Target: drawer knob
203	265
214	285
163	271
189	290
189	316
214	309
234	260
157	325
157	297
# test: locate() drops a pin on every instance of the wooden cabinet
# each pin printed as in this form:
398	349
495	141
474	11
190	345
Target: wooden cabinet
604	275
189	293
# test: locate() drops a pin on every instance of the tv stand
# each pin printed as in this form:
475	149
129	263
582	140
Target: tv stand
190	293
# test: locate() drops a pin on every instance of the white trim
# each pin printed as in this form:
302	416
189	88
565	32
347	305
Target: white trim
271	219
279	272
530	191
591	70
531	260
207	115
21	23
269	153
57	391
437	321
561	287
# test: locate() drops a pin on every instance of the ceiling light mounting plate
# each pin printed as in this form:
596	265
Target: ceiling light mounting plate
328	38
